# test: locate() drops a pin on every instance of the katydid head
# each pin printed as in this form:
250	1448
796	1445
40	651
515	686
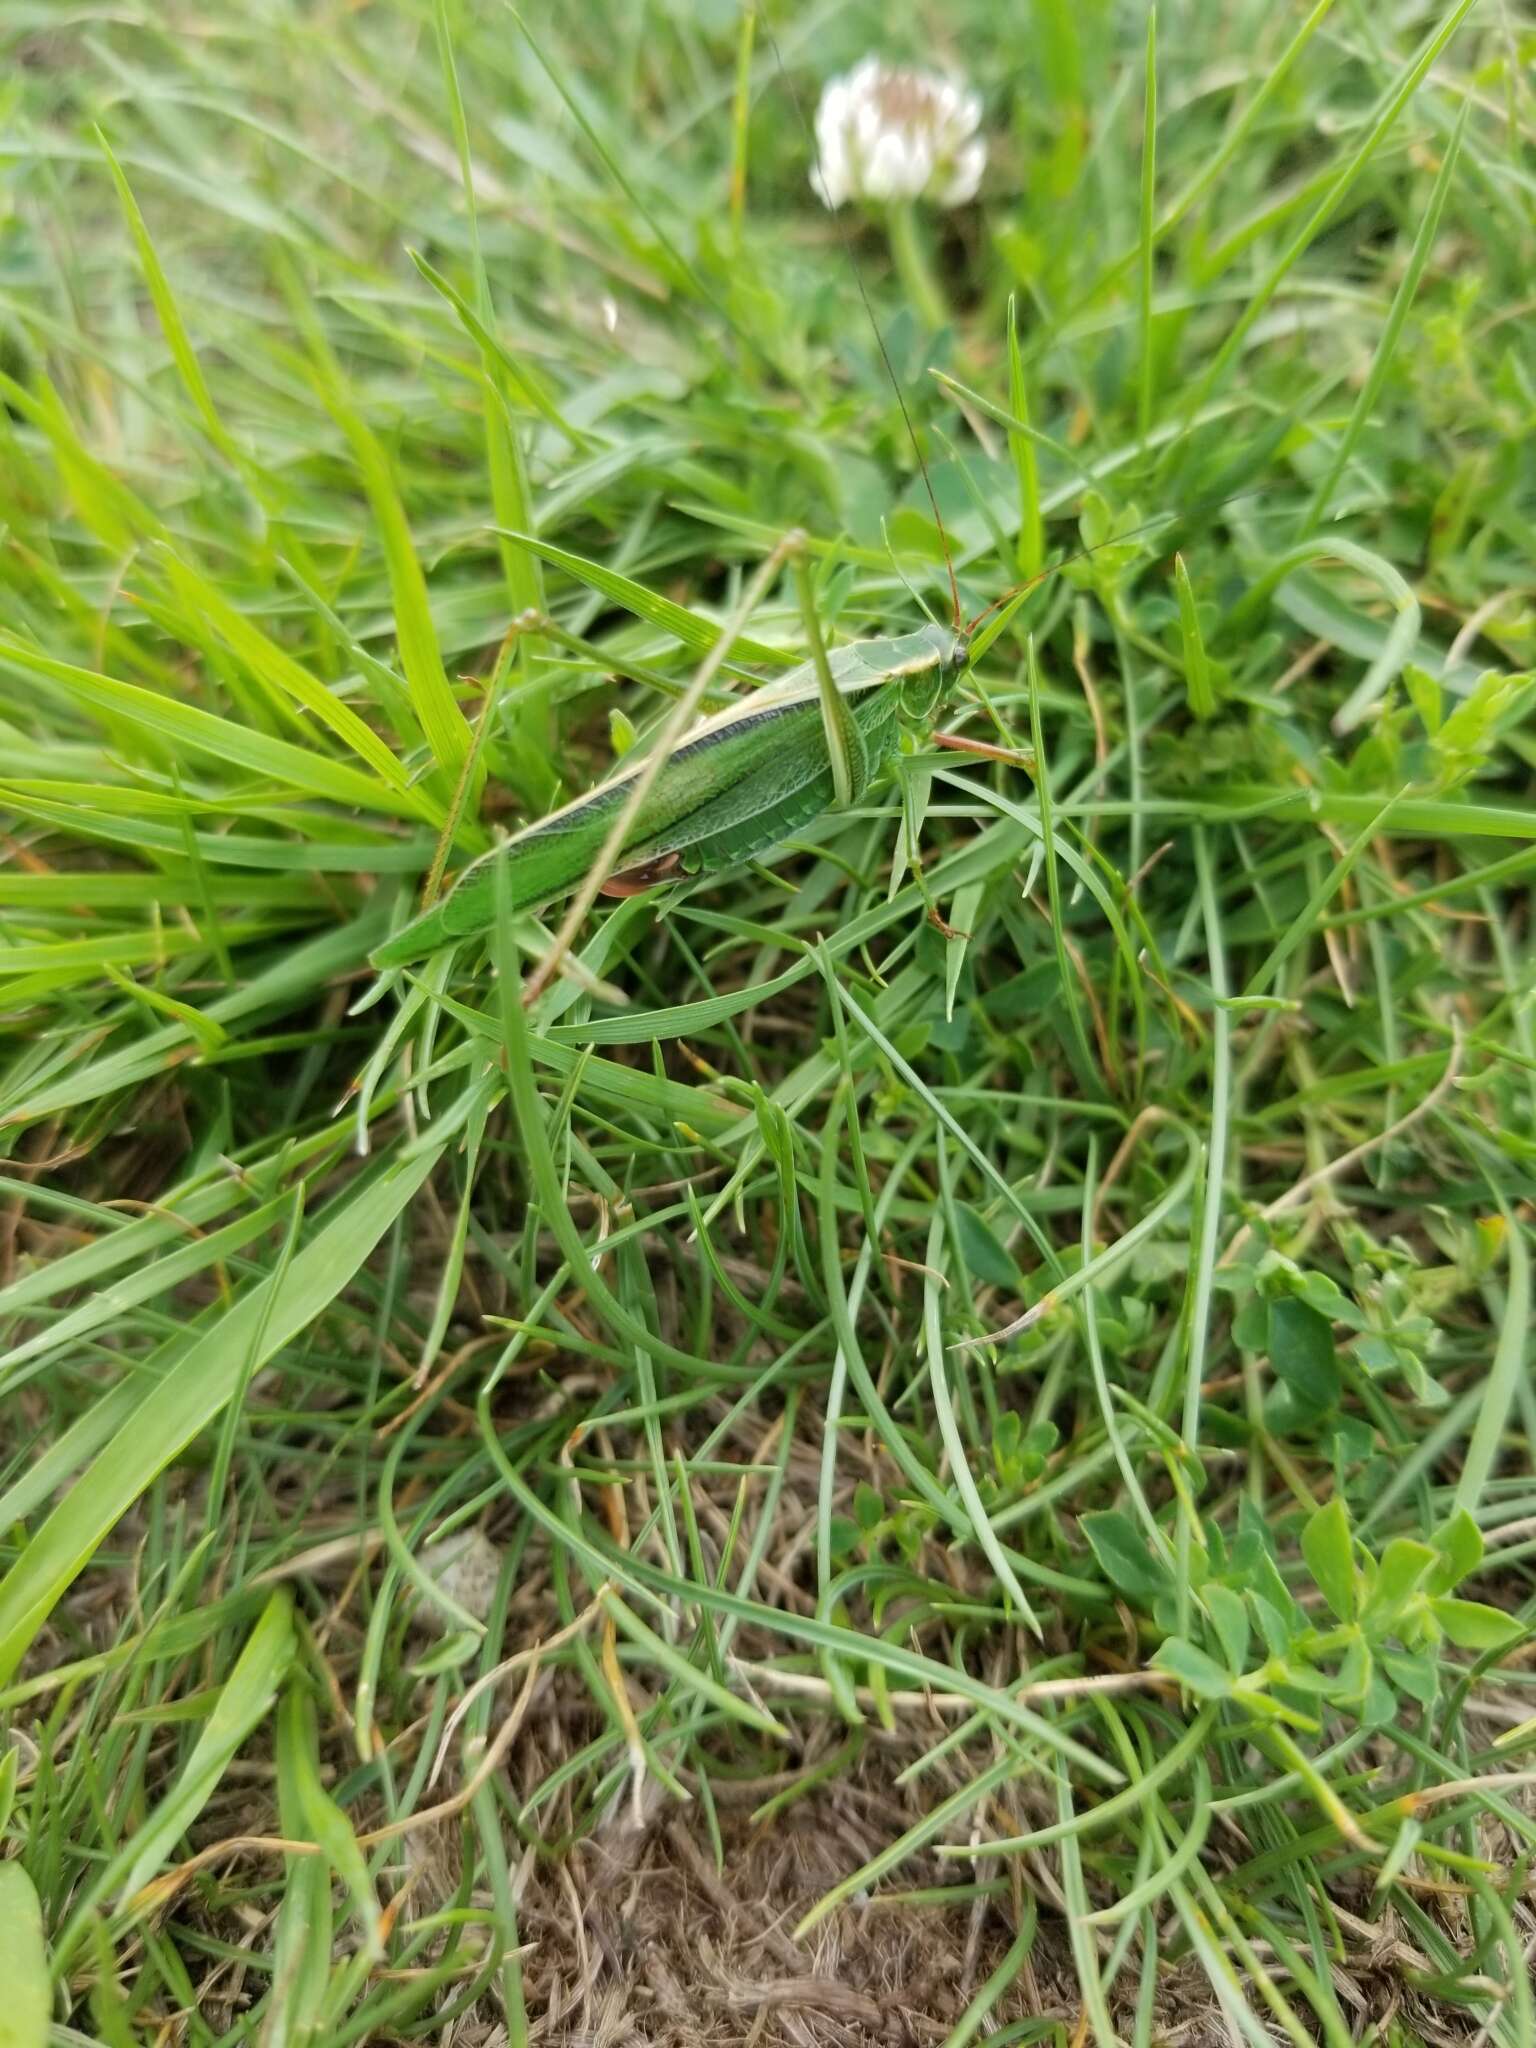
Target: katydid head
952	669
937	657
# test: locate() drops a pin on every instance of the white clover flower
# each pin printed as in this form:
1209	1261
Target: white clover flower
883	133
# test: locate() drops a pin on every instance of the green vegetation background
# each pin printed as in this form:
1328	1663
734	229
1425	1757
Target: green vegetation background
1218	1054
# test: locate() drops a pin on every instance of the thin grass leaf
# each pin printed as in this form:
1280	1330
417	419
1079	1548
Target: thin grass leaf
1021	445
1146	356
278	671
1333	194
150	1277
27	2009
244	1701
688	1675
944	1411
1510	1361
432	699
698	635
177	725
523	382
173	1409
182	352
1364	410
1197	663
302	1944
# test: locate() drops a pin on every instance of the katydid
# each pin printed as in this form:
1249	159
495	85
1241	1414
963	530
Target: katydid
740	783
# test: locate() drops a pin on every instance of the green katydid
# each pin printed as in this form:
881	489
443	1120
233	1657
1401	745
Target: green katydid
737	784
740	783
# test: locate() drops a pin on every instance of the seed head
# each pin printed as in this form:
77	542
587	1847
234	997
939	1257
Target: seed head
883	133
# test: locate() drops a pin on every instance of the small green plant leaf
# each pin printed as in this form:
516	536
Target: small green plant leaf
1326	1546
448	1655
1412	1672
1355	1672
1322	1292
868	1508
983	1251
25	2007
1229	1618
1379	1707
1194	1670
1250	1326
1301	1350
1470	730
1459	1545
1403	1565
1473	1626
1273	1625
1425	695
1126	1558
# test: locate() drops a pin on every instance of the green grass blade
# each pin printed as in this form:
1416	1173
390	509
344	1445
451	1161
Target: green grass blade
1365	405
244	1701
432	699
1511	1359
1197	663
303	1942
178	725
172	1412
526	386
1147	358
278	671
698	635
182	352
28	2006
1333	193
1021	445
1066	977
